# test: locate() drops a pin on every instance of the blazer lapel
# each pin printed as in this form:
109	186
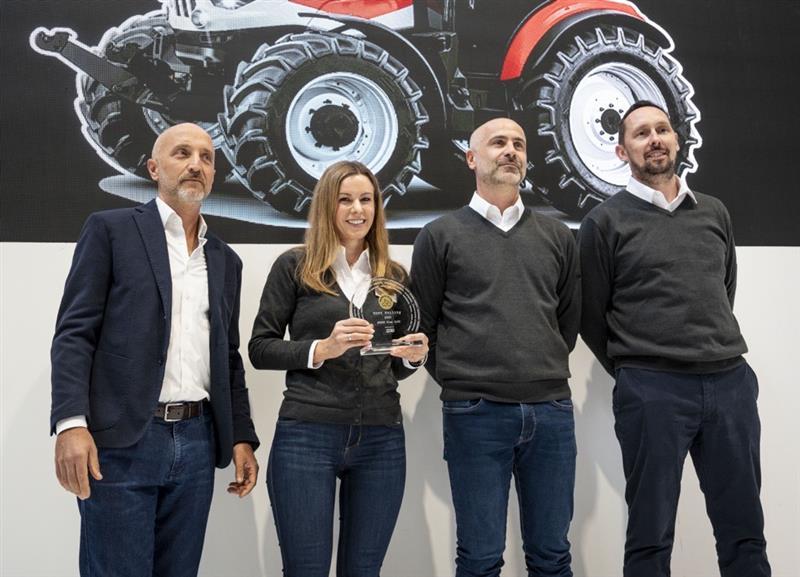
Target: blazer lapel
215	263
151	229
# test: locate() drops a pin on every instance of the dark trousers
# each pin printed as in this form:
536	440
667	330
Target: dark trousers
660	416
485	444
147	516
304	463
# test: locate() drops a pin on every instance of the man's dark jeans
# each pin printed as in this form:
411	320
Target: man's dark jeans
148	514
660	416
304	463
484	444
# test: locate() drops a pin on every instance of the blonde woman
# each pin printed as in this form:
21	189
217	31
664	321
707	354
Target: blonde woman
340	417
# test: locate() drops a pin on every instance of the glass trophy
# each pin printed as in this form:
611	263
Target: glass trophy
391	309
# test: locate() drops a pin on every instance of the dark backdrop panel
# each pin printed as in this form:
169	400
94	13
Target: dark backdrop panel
740	56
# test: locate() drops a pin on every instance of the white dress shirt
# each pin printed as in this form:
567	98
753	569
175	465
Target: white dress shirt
490	212
350	279
656	197
187	370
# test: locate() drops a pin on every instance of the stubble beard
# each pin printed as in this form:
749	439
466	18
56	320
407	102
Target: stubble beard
651	173
189	195
500	177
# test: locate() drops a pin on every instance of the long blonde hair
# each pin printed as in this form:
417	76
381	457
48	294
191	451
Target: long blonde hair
322	241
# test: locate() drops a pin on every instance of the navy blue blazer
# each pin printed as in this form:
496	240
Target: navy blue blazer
113	329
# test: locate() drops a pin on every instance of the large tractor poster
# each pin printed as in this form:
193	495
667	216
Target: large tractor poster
285	87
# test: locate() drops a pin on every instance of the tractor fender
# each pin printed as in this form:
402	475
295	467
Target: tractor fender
401	48
543	28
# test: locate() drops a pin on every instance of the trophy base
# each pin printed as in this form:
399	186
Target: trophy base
385	349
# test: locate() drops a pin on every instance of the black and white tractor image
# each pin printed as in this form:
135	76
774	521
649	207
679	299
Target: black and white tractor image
286	87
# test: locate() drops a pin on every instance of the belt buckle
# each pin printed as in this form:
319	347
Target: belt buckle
166	412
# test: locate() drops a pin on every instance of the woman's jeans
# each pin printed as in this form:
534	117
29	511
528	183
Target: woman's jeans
305	460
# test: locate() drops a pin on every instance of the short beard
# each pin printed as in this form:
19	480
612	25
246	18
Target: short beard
498	178
669	167
651	174
187	195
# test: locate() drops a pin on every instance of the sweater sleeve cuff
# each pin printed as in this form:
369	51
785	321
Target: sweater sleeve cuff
415	365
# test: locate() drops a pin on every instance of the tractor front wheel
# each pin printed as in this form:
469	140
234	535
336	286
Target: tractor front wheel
122	132
119	129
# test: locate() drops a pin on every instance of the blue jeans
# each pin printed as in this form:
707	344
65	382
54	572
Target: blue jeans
304	462
662	416
147	516
484	444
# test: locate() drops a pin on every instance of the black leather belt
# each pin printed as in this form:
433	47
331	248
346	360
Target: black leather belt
173	412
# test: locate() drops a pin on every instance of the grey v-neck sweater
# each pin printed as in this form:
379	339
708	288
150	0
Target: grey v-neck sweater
501	309
658	286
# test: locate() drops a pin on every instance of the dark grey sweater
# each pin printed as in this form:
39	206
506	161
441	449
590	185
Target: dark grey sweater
501	309
658	286
350	389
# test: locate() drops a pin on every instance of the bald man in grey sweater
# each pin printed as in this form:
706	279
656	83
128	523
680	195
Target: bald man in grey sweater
498	288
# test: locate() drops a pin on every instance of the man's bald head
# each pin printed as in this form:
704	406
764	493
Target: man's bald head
185	129
497	154
481	133
182	164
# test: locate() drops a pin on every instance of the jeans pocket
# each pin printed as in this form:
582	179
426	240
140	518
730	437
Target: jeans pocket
754	380
461	407
564	404
288	422
617	393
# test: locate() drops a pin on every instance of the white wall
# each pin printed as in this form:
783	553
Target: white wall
39	530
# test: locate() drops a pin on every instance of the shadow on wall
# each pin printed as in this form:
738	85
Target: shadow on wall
232	539
411	551
598	458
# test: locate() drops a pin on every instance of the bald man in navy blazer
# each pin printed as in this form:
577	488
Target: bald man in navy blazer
148	388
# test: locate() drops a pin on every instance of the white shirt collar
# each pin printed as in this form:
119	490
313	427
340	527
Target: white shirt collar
656	197
490	212
353	280
170	216
361	265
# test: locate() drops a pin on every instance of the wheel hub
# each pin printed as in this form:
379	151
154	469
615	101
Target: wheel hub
333	126
338	116
609	121
596	108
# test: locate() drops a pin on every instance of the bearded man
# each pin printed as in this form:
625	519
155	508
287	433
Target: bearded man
658	269
148	390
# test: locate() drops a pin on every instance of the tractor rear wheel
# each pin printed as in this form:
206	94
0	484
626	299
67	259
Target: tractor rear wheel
312	99
573	104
